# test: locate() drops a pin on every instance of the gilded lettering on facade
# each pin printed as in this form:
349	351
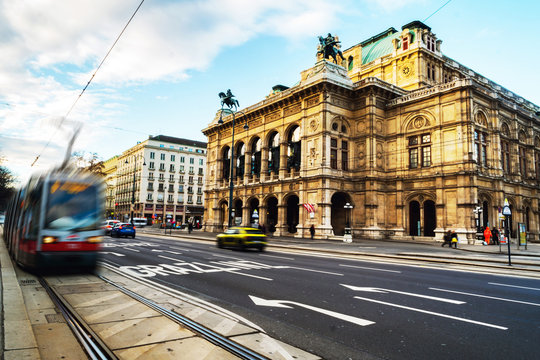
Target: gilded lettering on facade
312	101
291	110
273	116
338	101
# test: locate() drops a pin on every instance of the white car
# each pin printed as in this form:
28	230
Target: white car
108	225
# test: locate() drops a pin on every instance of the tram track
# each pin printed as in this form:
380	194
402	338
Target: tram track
90	342
97	348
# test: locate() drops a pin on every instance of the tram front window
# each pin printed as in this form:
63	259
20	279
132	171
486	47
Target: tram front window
72	206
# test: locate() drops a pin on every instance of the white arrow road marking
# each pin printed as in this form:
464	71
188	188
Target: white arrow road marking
281	304
126	248
384	291
487	297
434	313
515	286
370	268
112	253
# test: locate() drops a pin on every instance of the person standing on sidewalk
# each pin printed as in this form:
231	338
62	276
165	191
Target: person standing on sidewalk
495	235
453	239
447	239
487	235
312	231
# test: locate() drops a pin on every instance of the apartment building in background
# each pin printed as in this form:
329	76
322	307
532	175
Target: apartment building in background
161	179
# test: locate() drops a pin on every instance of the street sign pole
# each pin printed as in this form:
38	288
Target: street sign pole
507	212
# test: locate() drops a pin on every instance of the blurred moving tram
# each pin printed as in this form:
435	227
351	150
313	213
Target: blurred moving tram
55	221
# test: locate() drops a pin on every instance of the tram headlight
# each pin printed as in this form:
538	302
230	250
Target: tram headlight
49	239
95	239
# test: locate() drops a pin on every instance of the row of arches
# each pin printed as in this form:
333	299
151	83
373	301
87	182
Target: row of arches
285	214
250	158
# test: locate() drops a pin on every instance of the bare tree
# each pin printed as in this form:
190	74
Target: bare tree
7	189
89	162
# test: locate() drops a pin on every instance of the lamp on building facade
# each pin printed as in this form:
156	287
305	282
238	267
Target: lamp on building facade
135	157
227	99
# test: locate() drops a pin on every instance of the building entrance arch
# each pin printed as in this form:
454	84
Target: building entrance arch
271	213
414	218
237	212
339	214
254	213
292	213
430	218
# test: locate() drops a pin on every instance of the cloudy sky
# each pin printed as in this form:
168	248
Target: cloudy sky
165	72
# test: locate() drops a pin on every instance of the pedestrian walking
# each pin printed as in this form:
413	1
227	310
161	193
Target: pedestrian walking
495	236
447	239
487	235
312	231
453	239
190	227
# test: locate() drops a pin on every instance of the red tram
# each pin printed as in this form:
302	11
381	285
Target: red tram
55	221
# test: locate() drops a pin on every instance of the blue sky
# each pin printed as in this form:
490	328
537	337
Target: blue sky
165	72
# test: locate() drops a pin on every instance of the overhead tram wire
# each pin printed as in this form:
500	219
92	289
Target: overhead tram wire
89	81
436	11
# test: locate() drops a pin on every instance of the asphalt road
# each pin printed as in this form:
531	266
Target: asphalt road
347	309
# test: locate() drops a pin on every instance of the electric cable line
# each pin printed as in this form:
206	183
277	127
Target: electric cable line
436	11
89	81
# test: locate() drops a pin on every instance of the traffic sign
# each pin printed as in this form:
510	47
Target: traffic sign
506	208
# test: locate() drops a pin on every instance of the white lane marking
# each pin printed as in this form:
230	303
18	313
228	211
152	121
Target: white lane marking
227	257
111	253
434	313
167	251
317	271
254	276
515	286
384	291
126	248
277	257
370	268
168	258
178	248
280	303
487	297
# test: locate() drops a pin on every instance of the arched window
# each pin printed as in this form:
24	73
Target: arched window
256	157
240	160
226	163
294	149
273	153
351	63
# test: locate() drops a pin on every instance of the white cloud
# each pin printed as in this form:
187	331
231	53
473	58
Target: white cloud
50	49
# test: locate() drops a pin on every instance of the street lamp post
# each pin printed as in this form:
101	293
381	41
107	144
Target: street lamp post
347	237
133	186
228	100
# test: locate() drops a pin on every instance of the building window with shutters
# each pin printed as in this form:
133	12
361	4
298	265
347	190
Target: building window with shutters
333	153
344	155
522	161
419	151
505	157
480	148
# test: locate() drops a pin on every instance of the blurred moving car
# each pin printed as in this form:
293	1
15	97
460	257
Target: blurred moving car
108	225
2	219
123	229
242	238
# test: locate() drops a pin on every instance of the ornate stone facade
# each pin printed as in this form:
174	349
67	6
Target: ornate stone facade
412	139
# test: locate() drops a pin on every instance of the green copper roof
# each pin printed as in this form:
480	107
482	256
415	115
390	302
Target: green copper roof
378	48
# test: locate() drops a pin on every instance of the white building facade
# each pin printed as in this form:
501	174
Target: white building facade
162	179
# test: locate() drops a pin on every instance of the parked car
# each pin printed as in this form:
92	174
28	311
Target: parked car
108	225
123	229
242	238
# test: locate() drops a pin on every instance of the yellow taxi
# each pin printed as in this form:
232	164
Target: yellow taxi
242	238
